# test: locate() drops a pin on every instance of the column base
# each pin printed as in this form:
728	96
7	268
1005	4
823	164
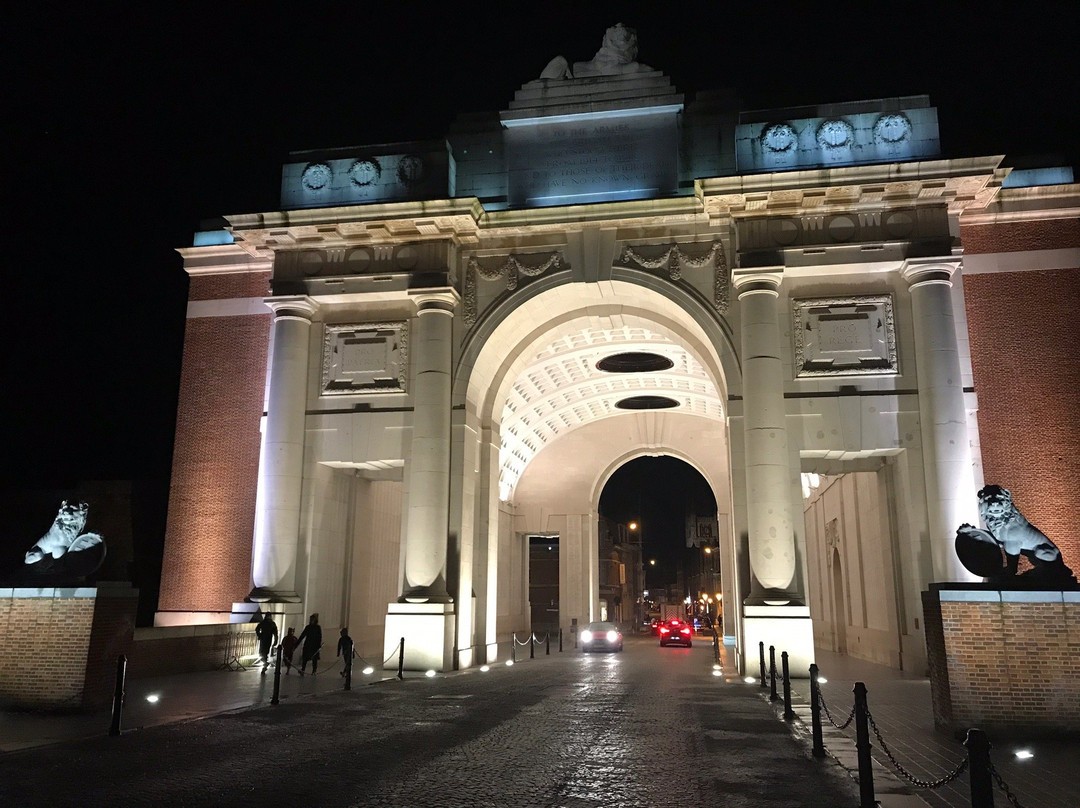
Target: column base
264	594
787	628
428	631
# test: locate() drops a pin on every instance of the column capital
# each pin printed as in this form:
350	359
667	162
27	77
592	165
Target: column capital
757	280
298	307
443	300
923	271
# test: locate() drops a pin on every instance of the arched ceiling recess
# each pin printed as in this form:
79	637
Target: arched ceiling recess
530	373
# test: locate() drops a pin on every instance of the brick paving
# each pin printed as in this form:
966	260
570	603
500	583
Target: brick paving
648	727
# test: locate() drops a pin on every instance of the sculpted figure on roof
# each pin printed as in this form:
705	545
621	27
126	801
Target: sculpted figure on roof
617	56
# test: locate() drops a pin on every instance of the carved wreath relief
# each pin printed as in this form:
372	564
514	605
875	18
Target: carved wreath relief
849	336
671	259
511	268
365	358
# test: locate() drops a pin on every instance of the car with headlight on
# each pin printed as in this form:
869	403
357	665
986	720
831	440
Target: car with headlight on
676	632
601	637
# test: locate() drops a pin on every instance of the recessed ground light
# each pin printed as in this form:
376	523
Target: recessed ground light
153	698
368	670
634	362
484	668
509	663
430	674
749	680
1024	754
646	403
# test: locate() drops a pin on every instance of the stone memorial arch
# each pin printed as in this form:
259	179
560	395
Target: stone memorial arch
435	349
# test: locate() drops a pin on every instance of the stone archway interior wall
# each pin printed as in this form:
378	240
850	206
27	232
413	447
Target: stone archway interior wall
849	515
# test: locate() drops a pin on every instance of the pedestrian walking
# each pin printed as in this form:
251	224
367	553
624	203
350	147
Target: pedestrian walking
288	648
311	637
267	633
345	650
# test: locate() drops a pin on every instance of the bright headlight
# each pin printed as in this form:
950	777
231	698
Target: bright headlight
612	636
586	636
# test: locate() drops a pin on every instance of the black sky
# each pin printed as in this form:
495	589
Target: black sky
128	123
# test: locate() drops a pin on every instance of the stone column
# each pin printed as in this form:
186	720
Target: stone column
428	516
775	578
282	466
947	465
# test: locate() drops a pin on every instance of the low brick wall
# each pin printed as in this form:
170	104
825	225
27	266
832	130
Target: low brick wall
162	651
62	644
1003	659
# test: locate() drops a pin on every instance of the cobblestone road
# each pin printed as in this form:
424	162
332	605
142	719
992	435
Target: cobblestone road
648	727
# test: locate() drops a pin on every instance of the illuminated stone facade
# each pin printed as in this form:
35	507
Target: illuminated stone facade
391	383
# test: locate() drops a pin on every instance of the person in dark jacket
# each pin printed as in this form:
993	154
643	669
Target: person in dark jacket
266	632
345	651
288	648
311	637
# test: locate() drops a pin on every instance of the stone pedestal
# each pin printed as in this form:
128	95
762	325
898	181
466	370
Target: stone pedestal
787	628
68	642
1003	659
428	630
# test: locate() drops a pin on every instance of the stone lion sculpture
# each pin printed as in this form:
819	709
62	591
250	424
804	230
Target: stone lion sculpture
65	548
617	56
1007	529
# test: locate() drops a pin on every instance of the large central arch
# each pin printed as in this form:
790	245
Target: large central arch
537	434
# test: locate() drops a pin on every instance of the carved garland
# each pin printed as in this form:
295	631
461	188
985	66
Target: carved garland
674	259
511	269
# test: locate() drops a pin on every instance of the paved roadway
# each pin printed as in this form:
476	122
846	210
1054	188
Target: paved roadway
647	727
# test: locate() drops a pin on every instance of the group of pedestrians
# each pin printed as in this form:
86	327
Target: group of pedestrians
310	642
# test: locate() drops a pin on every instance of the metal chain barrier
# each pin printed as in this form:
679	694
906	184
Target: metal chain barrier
1004	787
927	784
828	715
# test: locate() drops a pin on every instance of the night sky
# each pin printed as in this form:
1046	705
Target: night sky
127	124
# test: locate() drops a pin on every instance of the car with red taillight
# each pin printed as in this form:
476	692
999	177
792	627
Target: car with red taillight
676	632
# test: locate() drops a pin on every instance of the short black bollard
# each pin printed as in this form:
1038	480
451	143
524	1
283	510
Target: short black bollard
401	660
118	695
532	646
560	639
982	787
716	646
547	644
773	695
277	677
789	714
513	648
348	670
815	711
761	658
862	745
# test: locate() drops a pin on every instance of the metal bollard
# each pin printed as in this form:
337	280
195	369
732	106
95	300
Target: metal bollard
789	714
547	644
761	658
118	695
277	677
815	712
401	660
560	639
982	787
862	745
532	646
716	646
348	670
773	696
513	648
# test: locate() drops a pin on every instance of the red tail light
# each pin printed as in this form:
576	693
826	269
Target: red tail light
685	631
664	629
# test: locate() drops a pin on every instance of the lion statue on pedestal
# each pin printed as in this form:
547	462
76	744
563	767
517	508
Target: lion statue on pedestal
65	549
1007	529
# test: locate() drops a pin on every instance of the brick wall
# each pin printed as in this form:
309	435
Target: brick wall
1026	365
206	564
1009	659
62	645
1048	234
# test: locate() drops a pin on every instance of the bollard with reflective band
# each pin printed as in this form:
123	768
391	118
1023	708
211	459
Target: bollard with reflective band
401	660
815	711
277	677
982	787
862	745
118	695
761	659
789	714
773	695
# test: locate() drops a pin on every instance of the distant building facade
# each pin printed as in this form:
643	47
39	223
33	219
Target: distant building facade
434	351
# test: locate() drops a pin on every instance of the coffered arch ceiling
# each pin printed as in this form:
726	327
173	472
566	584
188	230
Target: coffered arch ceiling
532	374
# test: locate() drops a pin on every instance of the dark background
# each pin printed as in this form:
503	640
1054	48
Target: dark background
127	124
